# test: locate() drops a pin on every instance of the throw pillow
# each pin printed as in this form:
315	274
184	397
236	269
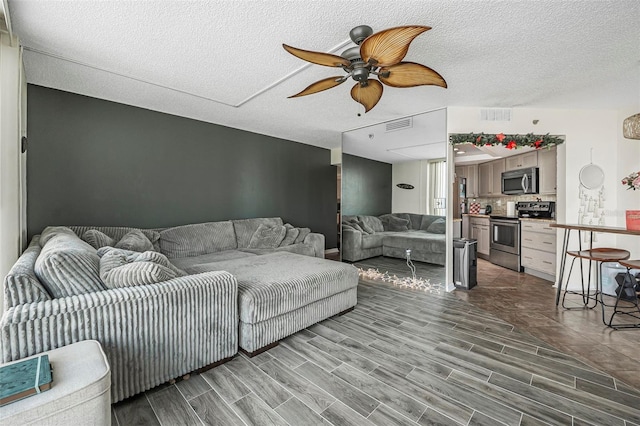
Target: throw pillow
392	223
135	241
302	235
356	225
438	226
290	236
97	239
267	237
366	228
68	266
52	231
125	268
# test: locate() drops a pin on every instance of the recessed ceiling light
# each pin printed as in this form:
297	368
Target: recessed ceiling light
455	149
460	152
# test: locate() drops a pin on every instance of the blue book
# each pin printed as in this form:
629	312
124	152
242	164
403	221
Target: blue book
24	378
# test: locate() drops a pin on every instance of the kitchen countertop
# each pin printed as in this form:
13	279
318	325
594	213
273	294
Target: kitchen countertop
521	219
530	219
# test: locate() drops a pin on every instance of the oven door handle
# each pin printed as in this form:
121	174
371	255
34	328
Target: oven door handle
495	233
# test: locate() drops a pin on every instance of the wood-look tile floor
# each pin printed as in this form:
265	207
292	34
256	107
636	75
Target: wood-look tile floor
406	357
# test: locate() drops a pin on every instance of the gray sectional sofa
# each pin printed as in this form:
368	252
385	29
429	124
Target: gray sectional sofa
391	235
166	302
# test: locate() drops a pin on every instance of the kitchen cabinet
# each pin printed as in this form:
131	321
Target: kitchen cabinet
470	173
538	248
479	230
548	170
530	159
490	178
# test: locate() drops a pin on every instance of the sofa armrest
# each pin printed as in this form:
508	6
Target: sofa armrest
150	333
317	241
351	243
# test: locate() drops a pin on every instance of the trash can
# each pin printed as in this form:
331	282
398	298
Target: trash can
611	273
465	263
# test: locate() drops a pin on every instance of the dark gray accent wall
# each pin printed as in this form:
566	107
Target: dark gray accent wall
366	186
95	162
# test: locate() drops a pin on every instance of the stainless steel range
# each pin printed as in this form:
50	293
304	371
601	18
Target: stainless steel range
504	247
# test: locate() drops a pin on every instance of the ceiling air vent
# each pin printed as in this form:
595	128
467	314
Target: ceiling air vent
495	114
405	123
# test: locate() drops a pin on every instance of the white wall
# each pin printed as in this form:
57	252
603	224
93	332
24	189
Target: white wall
12	162
409	200
584	130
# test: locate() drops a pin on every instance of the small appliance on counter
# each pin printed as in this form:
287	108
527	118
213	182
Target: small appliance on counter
511	208
488	209
536	209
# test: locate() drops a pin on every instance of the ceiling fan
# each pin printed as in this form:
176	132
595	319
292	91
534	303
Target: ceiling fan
378	54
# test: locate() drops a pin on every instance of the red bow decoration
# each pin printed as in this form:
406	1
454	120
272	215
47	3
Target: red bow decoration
500	137
537	143
511	145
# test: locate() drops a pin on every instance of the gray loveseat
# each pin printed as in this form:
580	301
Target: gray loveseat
392	234
166	302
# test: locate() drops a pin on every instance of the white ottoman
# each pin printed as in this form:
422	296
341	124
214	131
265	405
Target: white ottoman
80	393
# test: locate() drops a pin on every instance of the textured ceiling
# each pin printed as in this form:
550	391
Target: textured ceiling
222	61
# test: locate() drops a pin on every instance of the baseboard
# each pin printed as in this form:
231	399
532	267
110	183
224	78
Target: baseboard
259	351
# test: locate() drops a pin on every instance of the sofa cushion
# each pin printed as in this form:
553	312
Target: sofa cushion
356	225
438	226
372	222
134	241
290	236
300	248
245	228
416	240
393	223
302	235
197	239
186	263
366	228
267	237
372	240
415	220
125	268
277	283
53	231
68	266
21	284
427	220
117	232
97	239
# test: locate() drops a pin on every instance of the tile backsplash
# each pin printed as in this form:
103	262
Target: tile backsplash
499	204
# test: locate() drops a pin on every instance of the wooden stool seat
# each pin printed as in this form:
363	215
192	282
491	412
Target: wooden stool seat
602	254
599	255
631	264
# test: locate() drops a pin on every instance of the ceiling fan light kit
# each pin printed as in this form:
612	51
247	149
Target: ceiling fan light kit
378	54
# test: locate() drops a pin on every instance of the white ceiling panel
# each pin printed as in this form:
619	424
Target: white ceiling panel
222	61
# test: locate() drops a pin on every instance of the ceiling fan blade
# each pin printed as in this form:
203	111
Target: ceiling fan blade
390	46
410	74
326	59
368	95
319	86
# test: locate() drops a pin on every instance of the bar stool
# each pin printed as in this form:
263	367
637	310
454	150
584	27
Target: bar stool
601	254
629	283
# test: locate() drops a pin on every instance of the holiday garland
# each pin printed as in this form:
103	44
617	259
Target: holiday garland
508	141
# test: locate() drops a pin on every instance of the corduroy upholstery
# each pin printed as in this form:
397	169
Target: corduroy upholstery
154	332
281	293
150	333
393	235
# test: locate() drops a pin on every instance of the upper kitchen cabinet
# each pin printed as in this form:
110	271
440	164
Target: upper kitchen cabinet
530	159
470	173
490	178
548	166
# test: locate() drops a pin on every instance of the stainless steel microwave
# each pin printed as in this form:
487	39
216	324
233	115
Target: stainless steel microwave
521	181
